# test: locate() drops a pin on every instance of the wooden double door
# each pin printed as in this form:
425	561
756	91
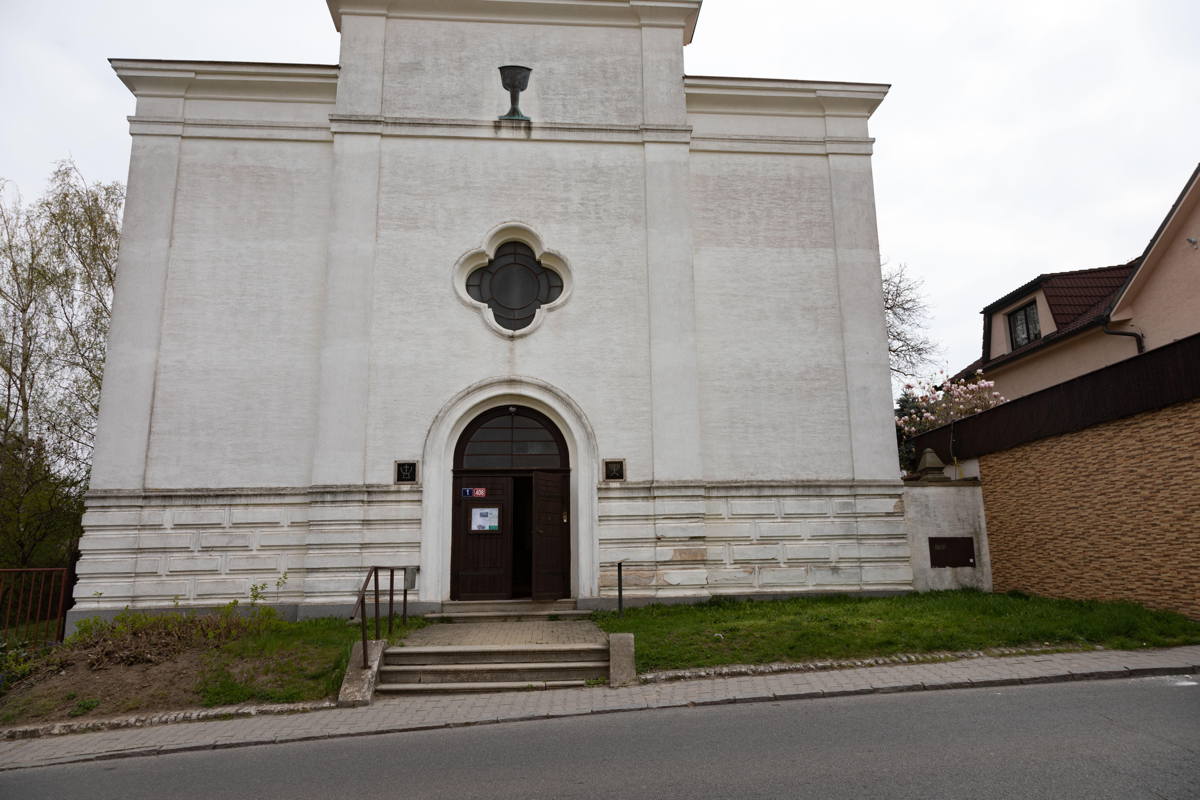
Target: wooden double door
511	536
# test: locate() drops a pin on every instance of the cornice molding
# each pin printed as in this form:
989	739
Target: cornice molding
682	14
229	80
716	95
474	129
386	492
494	129
229	129
780	145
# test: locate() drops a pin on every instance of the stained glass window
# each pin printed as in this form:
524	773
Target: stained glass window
514	285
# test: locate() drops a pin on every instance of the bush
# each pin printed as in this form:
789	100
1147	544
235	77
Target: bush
17	660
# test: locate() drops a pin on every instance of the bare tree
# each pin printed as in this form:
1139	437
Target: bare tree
906	314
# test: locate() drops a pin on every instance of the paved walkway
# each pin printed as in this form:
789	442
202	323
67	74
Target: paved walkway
390	715
507	633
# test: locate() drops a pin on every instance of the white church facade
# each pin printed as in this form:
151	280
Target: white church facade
378	314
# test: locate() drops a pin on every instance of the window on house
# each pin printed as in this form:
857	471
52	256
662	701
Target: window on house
1023	325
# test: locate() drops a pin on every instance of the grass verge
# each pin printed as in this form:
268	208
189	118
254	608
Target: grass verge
138	662
285	662
724	631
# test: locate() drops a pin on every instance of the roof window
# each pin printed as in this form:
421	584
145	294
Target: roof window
1023	325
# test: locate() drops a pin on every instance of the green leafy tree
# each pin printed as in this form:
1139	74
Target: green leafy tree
58	260
40	511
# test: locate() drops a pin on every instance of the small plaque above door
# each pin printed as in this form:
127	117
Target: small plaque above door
485	520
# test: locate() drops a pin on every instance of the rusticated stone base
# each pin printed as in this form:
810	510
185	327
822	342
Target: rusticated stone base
695	541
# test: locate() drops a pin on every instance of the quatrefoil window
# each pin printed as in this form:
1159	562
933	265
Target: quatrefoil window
514	285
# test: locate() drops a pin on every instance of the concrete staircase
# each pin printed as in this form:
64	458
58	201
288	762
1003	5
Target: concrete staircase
515	664
508	611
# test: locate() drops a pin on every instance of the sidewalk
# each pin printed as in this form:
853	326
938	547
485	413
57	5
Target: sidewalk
391	715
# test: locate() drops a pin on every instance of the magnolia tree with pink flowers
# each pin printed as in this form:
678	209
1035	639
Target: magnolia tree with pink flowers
924	406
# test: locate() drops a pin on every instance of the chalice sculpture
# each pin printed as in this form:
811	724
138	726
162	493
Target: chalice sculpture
516	80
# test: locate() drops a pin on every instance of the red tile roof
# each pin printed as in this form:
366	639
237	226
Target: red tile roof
1072	295
1077	299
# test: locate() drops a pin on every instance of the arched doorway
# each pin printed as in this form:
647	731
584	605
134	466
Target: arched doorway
511	534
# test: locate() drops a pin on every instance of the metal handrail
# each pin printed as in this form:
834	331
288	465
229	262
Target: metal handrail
360	607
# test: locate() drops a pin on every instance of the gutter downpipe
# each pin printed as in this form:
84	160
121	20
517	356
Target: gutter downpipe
1116	299
1141	343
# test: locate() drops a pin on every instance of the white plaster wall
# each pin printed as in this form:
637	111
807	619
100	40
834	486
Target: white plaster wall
234	398
586	202
449	70
799	127
257	111
773	384
127	392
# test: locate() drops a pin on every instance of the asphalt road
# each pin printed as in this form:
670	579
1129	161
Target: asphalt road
1104	739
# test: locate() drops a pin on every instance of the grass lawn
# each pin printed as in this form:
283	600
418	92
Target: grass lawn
286	662
814	628
138	663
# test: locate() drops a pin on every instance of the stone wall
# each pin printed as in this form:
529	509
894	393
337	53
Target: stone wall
949	508
1101	513
202	549
747	538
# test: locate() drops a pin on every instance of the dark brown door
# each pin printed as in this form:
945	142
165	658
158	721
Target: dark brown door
481	547
551	536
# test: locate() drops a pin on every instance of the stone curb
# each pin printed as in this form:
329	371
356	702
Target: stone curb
160	718
899	660
1115	673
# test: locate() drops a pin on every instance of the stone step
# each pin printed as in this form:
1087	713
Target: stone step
461	688
563	615
522	606
532	672
494	654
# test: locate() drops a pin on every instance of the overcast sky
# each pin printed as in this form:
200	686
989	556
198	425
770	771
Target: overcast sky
1020	137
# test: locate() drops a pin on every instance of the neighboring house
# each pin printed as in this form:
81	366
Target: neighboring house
1089	486
365	317
1065	324
1089	475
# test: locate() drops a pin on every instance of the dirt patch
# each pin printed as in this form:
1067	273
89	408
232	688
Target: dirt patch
78	692
142	664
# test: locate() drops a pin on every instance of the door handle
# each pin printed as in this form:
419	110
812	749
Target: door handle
564	516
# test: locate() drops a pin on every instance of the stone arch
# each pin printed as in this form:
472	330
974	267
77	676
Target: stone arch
438	460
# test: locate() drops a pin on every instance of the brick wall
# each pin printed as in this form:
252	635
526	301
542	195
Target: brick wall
1110	512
